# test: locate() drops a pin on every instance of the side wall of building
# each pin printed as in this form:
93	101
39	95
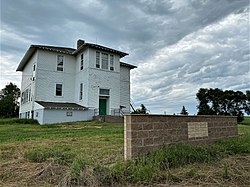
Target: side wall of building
51	116
103	79
48	77
28	86
125	89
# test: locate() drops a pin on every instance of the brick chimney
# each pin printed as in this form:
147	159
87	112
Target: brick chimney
80	43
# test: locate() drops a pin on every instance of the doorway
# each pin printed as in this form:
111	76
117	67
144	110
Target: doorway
102	107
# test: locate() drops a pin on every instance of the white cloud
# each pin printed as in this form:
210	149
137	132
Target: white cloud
214	56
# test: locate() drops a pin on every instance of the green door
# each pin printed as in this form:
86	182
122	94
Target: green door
102	107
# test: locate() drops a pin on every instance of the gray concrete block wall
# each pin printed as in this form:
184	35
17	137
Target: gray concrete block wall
146	133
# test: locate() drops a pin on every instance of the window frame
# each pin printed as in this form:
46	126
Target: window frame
104	94
111	63
61	89
106	61
81	91
97	62
61	66
81	61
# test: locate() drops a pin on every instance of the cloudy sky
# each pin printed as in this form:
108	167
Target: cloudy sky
179	46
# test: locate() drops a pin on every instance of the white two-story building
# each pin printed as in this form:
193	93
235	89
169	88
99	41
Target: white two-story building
61	84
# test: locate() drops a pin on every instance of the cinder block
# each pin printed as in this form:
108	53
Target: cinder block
143	134
147	126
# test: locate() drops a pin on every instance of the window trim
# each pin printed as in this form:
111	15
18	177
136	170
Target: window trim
81	91
106	89
111	68
102	64
61	90
57	62
98	63
81	61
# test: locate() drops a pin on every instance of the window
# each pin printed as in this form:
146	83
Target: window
81	91
26	96
58	89
37	114
112	62
59	63
81	63
104	91
105	64
34	67
97	59
69	113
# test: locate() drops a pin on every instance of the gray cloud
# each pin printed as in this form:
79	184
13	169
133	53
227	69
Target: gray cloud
179	46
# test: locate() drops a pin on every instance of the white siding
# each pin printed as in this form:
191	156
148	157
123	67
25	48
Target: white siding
28	83
59	116
93	79
39	115
125	88
82	77
47	77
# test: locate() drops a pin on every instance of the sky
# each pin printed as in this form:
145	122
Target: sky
179	46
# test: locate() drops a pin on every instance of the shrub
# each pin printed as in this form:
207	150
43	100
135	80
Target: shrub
10	121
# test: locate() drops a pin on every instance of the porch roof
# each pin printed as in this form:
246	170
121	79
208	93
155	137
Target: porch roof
61	106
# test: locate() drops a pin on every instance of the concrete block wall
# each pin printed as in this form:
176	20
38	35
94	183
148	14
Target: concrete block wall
109	119
146	133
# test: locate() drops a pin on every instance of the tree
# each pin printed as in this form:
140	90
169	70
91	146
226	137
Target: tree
184	111
9	105
142	110
219	102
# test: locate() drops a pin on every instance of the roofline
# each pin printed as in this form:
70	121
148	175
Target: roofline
32	49
127	65
96	46
26	57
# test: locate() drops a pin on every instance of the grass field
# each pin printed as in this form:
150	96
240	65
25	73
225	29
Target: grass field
34	155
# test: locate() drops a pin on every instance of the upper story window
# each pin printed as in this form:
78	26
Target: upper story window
60	59
81	91
111	62
34	67
59	89
81	63
105	63
97	59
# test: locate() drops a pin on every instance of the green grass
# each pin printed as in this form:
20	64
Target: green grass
93	151
100	141
246	121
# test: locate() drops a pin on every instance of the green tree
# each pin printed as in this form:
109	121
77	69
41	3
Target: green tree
9	105
141	110
219	102
184	111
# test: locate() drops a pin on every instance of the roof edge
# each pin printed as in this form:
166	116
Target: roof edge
128	65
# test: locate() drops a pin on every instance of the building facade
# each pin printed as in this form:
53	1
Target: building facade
61	84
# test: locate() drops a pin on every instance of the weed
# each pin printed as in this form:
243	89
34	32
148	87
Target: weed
77	170
42	155
225	171
192	173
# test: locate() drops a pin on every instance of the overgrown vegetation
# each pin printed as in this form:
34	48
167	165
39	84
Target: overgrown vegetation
13	121
91	154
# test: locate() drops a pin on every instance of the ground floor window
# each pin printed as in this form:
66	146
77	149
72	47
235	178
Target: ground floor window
69	113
